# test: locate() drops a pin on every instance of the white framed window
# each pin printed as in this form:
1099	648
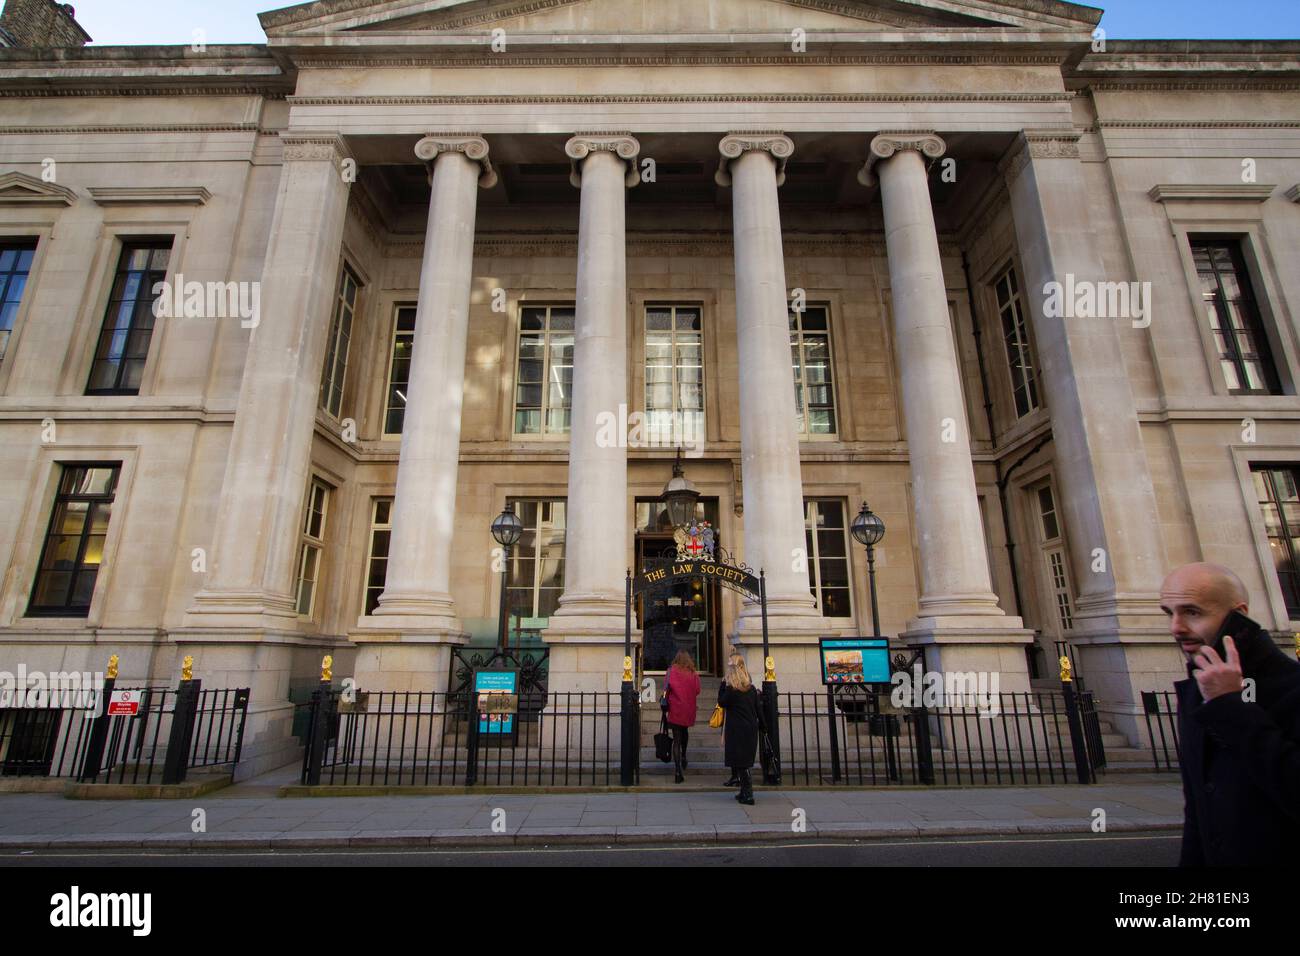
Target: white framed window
1055	563
336	353
312	546
810	356
674	374
381	532
1015	338
826	531
544	372
399	369
535	574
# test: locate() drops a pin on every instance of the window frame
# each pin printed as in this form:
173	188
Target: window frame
814	557
376	526
307	541
19	245
333	373
67	610
679	433
535	588
543	410
398	308
1271	572
801	384
1049	547
1020	326
1254	320
125	244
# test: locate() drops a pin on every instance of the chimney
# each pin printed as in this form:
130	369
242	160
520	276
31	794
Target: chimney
36	24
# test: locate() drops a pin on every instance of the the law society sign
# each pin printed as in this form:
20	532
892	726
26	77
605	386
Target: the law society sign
737	579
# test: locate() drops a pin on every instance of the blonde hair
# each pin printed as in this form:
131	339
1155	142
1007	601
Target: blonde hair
683	660
737	676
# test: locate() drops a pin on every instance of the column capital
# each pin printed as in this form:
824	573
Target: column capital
1038	144
473	145
623	145
889	142
315	147
736	144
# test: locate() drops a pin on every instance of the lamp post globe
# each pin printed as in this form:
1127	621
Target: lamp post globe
868	529
507	530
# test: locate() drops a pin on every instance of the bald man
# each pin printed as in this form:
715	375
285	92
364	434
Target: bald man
1238	726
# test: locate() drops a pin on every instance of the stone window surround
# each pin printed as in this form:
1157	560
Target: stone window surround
394	310
38	227
814	570
1255	251
1243	457
1020	297
347	267
706	300
329	503
103	271
833	321
30	537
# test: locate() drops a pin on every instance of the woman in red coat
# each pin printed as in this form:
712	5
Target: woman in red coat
681	689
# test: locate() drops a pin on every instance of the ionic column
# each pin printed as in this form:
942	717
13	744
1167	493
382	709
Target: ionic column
596	540
955	578
753	165
254	552
417	591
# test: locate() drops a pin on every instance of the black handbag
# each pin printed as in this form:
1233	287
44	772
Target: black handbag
664	741
770	761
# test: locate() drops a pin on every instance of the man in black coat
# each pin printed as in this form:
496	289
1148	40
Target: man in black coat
1238	727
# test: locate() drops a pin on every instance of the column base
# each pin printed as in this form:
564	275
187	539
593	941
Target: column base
242	610
405	659
792	645
993	645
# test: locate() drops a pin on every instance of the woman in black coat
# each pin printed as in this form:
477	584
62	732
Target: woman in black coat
738	697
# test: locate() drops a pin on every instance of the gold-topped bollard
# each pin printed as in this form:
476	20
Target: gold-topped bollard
111	673
1065	670
187	667
327	669
769	668
627	669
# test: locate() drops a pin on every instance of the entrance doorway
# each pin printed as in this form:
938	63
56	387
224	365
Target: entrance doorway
684	615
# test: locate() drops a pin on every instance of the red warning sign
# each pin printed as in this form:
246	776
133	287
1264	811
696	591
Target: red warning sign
124	703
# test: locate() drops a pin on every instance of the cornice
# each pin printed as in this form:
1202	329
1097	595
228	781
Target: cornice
1103	125
137	128
150	195
315	147
775	97
44	91
1211	192
1173	84
440	58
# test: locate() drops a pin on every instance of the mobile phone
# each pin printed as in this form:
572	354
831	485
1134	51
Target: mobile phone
1237	626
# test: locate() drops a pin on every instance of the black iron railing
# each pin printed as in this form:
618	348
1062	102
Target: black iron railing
1011	738
1160	709
174	730
423	738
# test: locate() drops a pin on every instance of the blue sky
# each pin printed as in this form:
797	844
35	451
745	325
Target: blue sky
116	22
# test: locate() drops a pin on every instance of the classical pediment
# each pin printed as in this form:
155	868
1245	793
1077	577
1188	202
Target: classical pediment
605	17
19	189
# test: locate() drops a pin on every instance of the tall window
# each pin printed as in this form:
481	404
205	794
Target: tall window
1015	336
1276	487
74	542
828	556
381	531
810	354
674	374
544	377
336	354
312	546
399	370
535	577
15	265
1234	318
128	324
1053	550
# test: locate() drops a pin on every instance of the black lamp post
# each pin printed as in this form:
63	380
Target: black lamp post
507	529
868	529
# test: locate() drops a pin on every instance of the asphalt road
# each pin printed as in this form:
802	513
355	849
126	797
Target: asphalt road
1120	850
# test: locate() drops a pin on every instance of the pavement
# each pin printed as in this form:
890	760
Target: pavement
254	815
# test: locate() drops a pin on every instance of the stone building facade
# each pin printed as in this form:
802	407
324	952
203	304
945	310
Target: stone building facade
287	325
